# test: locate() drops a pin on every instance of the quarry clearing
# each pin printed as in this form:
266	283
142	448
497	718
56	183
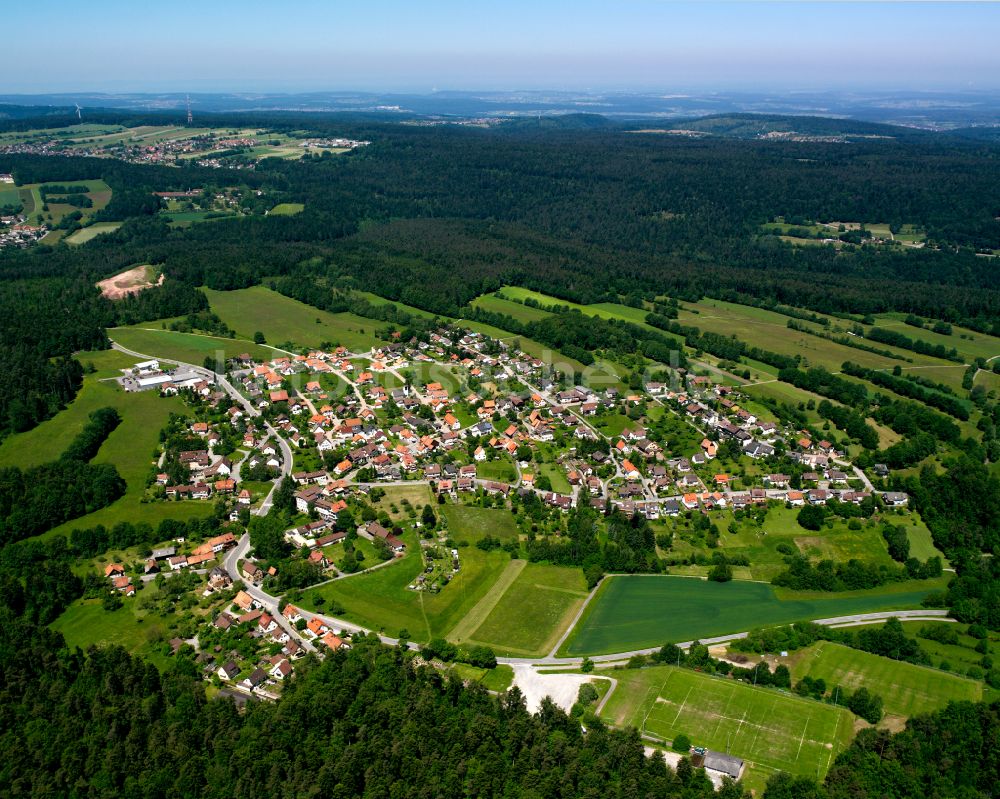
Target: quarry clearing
133	281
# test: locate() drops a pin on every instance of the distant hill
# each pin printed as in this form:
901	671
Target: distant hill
983	133
754	126
560	122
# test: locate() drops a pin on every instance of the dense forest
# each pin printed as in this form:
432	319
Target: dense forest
362	723
368	722
434	216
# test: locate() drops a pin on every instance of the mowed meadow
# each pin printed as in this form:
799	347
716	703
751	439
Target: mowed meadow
286	321
906	689
130	447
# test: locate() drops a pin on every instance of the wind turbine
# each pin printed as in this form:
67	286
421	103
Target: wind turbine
78	109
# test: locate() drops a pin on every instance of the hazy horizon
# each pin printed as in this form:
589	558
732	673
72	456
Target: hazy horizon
589	46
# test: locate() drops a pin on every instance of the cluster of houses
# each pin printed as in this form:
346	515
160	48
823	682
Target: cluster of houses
168	559
16	232
272	669
120	581
451	446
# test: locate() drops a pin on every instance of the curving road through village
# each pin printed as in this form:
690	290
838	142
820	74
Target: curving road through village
271	602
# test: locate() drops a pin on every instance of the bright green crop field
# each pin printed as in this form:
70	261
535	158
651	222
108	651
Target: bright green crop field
641	612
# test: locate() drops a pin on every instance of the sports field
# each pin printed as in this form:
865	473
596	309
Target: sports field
186	347
770	730
641	612
906	690
286	321
533	611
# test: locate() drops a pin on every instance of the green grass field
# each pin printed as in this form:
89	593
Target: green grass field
287	209
974	345
284	320
958	657
907	690
771	730
183	219
501	469
186	347
469	523
760	544
522	313
86	623
921	541
769	330
557	476
30	196
375	299
605	310
47	441
381	600
633	612
418	495
497	679
84	235
129	447
533	611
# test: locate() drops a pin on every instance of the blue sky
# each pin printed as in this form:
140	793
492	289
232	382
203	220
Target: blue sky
221	45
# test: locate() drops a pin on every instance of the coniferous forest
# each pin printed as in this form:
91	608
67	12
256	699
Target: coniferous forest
367	722
435	216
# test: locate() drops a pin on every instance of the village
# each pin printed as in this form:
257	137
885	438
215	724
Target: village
173	145
470	419
380	425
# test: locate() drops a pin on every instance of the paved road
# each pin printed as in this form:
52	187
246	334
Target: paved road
270	603
223	381
552	659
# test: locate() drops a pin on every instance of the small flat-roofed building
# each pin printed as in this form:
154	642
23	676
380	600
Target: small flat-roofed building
730	765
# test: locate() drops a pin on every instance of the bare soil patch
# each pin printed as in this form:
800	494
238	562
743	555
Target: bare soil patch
133	281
